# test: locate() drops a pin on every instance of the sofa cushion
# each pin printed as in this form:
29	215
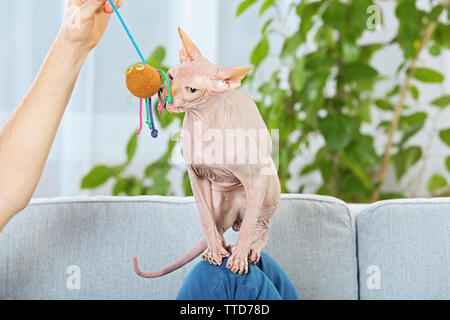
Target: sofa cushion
54	245
404	249
313	239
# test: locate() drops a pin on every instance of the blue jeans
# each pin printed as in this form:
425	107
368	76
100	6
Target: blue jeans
264	281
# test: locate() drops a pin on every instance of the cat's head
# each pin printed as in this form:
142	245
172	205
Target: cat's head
196	80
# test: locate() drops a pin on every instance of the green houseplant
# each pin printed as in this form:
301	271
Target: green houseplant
297	95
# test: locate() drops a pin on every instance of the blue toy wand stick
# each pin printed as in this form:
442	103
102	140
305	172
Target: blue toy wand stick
128	31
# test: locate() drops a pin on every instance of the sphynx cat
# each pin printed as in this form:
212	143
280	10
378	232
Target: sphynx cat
232	188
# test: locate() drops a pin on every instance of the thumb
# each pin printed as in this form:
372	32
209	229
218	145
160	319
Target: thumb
91	7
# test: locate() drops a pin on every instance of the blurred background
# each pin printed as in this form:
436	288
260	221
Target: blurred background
329	75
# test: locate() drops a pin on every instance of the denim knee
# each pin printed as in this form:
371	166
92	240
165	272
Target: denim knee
264	281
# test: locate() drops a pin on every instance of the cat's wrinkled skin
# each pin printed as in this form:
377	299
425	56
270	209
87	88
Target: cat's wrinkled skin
243	195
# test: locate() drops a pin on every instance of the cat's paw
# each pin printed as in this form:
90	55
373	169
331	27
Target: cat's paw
215	255
254	255
238	262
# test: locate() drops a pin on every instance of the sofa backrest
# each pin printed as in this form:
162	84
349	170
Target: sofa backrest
313	239
53	243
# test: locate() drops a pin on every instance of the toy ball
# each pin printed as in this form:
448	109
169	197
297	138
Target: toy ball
143	81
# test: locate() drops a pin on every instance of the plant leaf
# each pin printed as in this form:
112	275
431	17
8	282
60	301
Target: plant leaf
447	163
441	35
338	130
349	50
367	51
410	125
266	25
410	27
161	188
405	158
326	170
357	170
291	45
131	147
243	6
318	61
445	136
306	11
384	104
414	92
412	121
266	5
157	57
394	91
134	188
436	182
260	52
187	185
299	74
335	15
308	169
362	151
384	125
435	12
358	71
441	102
358	15
428	76
435	50
120	186
314	86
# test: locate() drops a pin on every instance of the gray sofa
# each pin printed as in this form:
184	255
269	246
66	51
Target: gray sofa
82	248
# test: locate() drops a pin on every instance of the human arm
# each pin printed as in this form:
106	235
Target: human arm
27	136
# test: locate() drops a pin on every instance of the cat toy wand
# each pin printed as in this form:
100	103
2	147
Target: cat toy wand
144	81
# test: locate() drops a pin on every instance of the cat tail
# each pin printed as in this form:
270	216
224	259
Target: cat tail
186	258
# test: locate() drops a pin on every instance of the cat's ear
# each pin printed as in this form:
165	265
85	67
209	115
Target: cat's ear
230	78
189	51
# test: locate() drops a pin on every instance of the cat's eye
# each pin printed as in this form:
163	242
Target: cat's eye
193	90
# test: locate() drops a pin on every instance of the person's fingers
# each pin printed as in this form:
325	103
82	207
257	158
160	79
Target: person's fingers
108	7
90	7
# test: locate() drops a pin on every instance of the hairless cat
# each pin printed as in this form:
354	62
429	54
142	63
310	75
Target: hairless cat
233	187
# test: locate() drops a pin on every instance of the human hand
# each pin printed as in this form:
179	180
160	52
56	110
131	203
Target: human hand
85	21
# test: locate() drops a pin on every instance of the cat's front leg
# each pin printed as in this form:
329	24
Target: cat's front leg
263	193
238	262
215	251
255	190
